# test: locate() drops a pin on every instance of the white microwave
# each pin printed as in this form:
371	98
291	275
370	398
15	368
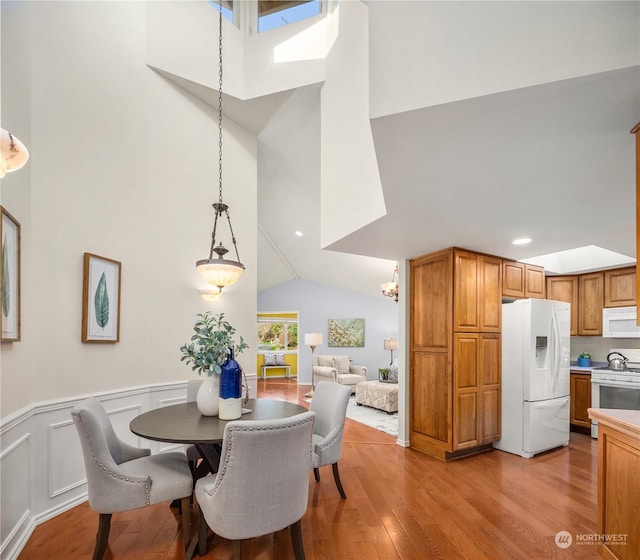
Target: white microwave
620	322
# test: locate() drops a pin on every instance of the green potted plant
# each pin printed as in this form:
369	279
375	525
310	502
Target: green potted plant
212	351
584	359
383	374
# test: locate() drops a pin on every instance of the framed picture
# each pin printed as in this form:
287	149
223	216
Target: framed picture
346	333
10	277
100	299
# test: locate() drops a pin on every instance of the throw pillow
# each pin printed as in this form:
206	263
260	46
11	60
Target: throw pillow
279	359
341	363
269	359
325	361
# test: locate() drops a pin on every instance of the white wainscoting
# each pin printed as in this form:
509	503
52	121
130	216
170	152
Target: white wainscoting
41	466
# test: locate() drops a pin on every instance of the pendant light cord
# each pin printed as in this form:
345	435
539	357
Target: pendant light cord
220	207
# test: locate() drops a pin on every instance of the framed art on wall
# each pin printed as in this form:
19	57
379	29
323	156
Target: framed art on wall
10	277
346	333
100	299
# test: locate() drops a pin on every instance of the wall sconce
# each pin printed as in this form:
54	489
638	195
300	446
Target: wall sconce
210	295
390	289
14	153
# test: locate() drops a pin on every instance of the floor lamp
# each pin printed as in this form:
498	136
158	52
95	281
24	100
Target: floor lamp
312	340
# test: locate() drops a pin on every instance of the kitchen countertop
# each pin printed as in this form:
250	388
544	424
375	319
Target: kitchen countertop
625	421
575	367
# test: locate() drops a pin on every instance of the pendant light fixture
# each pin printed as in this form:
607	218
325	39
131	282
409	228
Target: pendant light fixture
219	271
390	289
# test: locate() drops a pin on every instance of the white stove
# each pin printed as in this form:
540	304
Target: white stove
619	389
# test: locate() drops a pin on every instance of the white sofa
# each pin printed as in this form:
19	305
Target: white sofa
338	369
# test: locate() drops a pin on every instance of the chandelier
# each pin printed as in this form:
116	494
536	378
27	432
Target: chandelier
390	289
219	271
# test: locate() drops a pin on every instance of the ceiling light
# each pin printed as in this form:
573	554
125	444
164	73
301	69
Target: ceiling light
220	272
522	241
299	233
390	289
14	153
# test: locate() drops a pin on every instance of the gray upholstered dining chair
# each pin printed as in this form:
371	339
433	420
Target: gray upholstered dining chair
121	477
329	402
262	485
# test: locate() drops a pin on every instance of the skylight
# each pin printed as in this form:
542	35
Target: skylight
581	259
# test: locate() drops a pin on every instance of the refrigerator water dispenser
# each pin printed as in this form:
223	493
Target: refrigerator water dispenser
541	351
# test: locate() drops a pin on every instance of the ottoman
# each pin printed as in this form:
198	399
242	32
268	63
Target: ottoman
383	396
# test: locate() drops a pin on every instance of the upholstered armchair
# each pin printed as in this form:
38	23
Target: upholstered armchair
329	402
121	477
339	370
262	485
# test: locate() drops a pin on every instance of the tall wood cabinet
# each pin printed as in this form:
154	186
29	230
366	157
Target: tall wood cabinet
455	352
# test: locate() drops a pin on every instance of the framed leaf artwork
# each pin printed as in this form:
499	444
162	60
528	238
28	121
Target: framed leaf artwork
100	299
10	277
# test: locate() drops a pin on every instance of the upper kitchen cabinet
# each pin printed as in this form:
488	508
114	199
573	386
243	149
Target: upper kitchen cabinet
620	287
590	304
477	303
520	280
565	288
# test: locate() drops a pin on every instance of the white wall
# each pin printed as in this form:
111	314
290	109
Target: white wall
124	165
428	53
349	176
317	303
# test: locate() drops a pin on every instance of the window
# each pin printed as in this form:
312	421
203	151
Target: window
269	14
276	13
277	334
227	8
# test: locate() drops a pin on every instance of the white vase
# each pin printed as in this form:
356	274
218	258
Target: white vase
208	395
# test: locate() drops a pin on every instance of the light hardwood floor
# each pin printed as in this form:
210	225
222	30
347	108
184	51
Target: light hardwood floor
400	505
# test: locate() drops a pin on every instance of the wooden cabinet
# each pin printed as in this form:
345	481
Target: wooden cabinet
477	300
636	130
454	344
580	393
512	279
520	280
565	288
618	482
589	293
590	303
476	396
534	286
620	287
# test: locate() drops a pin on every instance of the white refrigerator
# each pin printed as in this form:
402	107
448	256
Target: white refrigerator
535	376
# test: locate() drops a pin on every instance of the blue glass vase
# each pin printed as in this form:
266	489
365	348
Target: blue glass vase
230	389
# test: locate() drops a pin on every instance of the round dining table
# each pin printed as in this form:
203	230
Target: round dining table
183	423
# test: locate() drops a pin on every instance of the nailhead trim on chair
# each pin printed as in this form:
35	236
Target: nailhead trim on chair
222	470
115	475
